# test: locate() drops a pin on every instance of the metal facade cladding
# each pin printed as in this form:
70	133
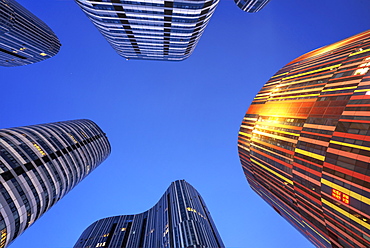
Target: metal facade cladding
179	219
24	38
155	30
304	143
39	165
251	6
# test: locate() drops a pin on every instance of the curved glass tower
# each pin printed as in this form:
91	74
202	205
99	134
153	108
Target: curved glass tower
304	143
155	30
24	38
251	6
179	219
39	165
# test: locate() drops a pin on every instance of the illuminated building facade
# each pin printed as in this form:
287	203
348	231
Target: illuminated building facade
304	143
155	30
251	5
39	165
24	38
179	219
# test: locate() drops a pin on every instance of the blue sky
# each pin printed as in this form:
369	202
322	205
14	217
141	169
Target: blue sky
168	120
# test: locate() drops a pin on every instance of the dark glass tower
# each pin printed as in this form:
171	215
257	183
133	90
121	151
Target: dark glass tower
179	219
304	143
39	165
155	30
24	38
251	5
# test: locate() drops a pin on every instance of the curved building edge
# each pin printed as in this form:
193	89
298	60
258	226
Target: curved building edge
179	219
304	147
251	6
40	164
167	31
24	38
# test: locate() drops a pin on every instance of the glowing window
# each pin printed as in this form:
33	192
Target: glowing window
39	149
72	137
340	196
345	198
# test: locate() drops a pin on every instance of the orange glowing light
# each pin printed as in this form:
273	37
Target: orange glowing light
331	47
340	196
345	198
336	194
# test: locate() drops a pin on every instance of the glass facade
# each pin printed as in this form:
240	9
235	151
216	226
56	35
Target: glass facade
24	38
179	219
155	30
251	5
304	143
39	165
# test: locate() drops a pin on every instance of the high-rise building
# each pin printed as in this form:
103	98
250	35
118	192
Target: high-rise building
40	164
179	219
251	5
155	30
24	38
304	143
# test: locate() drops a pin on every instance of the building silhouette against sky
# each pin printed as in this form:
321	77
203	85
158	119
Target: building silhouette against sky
251	5
304	143
40	164
156	30
24	38
179	219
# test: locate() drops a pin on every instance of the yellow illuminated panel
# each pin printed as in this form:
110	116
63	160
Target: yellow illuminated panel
346	191
195	211
39	149
72	137
344	88
3	238
273	172
314	71
350	145
310	154
43	54
345	213
244	134
359	52
280	75
191	209
326	94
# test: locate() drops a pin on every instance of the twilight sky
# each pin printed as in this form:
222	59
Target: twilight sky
168	120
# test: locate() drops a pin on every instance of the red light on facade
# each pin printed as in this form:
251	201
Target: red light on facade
345	199
340	196
336	194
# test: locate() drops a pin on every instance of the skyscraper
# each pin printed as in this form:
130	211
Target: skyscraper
24	38
40	164
304	143
179	219
251	5
156	30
